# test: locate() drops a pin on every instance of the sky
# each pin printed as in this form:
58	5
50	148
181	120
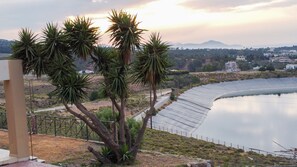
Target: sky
245	22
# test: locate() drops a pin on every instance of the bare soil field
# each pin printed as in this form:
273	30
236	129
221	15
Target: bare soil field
73	152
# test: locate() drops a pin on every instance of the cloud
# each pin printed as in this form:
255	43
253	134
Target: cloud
35	14
246	22
229	5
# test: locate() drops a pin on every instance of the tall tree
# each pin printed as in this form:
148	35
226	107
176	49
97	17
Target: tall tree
52	54
57	48
125	36
150	68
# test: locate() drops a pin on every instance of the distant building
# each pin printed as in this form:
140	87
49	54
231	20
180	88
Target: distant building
288	52
293	52
231	66
268	54
291	67
240	58
256	68
281	59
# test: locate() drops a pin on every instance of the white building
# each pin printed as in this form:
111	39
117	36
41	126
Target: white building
268	54
240	58
291	66
231	66
281	59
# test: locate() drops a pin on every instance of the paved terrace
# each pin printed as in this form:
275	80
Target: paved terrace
189	111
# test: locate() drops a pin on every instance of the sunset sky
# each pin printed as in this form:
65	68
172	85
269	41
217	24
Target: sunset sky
244	22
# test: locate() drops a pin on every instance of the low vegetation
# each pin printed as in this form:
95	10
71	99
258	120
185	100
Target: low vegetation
221	155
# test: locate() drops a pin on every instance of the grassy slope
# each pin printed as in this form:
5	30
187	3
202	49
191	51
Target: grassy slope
168	143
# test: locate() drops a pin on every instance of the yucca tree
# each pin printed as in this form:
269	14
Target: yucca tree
28	49
82	36
150	68
53	54
151	63
56	48
125	36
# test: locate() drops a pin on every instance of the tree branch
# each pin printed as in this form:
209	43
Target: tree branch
97	126
99	156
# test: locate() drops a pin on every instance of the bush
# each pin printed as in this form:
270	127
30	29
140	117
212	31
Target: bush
180	81
172	96
262	69
94	95
106	116
134	126
100	94
270	67
178	72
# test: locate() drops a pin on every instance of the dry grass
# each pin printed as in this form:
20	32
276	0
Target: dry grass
73	152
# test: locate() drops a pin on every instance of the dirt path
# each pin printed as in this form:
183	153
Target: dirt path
57	150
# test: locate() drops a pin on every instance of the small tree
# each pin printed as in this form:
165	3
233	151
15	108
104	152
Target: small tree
150	67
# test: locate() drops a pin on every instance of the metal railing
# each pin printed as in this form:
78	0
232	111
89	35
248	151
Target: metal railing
56	126
75	128
221	142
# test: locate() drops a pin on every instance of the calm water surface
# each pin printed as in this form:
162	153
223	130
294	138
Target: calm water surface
254	121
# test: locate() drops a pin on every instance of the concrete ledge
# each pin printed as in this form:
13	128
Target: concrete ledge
6	159
4	70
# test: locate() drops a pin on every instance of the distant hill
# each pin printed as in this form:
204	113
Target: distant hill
5	46
211	44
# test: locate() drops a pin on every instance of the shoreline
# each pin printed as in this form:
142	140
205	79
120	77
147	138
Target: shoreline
191	108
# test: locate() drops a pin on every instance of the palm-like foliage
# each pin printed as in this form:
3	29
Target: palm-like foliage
72	89
55	42
118	83
53	55
151	62
82	36
25	49
125	34
107	63
104	58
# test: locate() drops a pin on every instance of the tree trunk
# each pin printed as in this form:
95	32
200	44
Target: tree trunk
114	125
99	156
128	136
140	134
151	104
122	140
97	126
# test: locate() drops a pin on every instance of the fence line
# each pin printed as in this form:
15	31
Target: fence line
56	126
220	142
75	128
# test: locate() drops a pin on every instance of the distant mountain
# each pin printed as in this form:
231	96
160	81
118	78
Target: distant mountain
5	46
211	44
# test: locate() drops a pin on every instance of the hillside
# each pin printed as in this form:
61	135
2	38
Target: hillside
5	46
211	44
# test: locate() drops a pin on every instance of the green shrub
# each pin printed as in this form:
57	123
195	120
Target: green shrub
172	96
126	155
109	154
100	94
106	115
178	72
93	96
134	127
